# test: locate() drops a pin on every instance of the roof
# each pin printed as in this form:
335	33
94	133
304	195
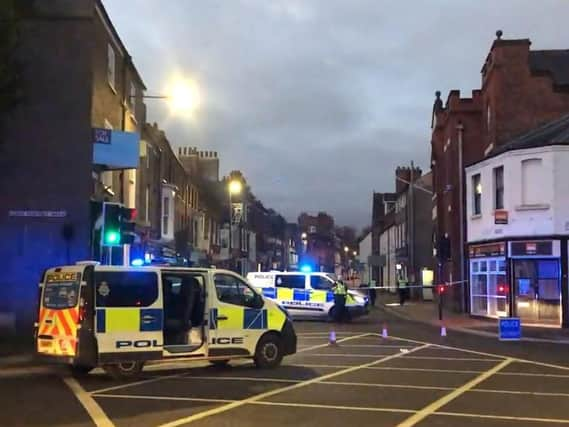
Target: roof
553	133
552	62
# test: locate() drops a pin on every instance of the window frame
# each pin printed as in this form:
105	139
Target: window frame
111	66
256	297
99	281
498	189
277	285
476	180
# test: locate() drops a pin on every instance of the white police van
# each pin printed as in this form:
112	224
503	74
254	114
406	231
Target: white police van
306	295
120	318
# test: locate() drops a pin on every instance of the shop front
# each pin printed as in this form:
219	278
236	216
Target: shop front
517	278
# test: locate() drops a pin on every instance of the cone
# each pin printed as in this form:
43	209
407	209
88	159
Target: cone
332	339
443	331
384	331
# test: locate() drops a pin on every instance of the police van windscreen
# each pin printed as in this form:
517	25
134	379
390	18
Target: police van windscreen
60	295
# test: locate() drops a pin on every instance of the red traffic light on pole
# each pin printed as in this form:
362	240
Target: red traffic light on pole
440	289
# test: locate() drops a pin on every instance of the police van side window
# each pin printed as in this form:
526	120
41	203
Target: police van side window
125	288
231	290
292	281
320	283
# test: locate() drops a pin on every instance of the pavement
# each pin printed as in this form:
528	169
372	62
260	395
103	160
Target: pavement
428	312
413	377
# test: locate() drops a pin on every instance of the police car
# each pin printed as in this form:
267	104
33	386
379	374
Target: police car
120	318
306	295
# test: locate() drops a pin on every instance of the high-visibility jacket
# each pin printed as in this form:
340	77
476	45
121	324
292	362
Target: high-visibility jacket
340	289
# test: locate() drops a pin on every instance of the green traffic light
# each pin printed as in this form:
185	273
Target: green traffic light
111	237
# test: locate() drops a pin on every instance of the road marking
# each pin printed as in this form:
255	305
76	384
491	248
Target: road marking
320	366
339	407
504	417
530	374
91	406
443	371
439	403
150	397
134	383
224	408
407	386
466	359
274	380
372	356
525	393
515	359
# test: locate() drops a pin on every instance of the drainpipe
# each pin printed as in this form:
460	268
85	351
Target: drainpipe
460	129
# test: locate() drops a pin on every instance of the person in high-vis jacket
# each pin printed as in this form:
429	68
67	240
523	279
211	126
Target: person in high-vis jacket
402	288
340	292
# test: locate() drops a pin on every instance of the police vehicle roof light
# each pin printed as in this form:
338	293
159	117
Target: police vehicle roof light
137	262
306	269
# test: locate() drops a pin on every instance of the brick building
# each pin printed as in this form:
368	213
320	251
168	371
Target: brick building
76	75
520	90
319	246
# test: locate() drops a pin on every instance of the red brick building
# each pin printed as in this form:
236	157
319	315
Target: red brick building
520	89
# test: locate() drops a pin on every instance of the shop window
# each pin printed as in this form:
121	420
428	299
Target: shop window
488	287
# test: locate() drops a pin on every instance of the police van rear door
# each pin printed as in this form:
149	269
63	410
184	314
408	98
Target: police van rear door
129	314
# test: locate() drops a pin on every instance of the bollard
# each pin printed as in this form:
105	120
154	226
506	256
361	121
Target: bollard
332	339
443	331
384	331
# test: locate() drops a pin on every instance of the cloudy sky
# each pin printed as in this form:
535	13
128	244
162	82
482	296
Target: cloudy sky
317	101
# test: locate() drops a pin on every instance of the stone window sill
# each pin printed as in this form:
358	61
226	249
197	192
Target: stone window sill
536	207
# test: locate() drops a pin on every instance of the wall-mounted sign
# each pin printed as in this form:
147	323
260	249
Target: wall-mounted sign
531	248
500	217
510	329
489	250
115	149
101	136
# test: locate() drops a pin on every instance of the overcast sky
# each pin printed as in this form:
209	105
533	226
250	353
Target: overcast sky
317	101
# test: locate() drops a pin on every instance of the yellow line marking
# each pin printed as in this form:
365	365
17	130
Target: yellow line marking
267	394
504	417
91	406
343	408
437	404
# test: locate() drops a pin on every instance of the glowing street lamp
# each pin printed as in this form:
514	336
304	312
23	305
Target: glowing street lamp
355	253
346	249
235	187
182	95
304	236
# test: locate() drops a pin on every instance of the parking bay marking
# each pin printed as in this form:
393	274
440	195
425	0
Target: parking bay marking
267	394
96	413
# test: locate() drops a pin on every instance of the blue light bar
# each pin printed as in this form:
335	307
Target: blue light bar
137	262
306	269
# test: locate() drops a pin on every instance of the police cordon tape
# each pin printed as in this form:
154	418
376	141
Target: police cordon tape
444	285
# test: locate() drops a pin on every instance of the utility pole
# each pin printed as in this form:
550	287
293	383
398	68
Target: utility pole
411	223
460	129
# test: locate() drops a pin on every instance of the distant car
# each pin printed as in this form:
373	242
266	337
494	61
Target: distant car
306	295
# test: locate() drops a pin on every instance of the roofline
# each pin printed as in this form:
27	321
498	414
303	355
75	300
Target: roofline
99	6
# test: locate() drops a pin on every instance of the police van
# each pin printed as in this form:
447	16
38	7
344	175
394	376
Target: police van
120	318
306	295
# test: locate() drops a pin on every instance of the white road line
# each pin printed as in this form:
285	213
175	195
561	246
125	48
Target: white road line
369	356
91	406
274	380
319	366
406	386
332	407
439	403
442	371
523	393
530	374
466	359
134	383
503	417
224	408
150	397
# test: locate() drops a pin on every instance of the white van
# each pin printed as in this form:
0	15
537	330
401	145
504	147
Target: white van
306	295
120	318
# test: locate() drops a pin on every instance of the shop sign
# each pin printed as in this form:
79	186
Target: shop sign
500	217
510	329
489	250
532	248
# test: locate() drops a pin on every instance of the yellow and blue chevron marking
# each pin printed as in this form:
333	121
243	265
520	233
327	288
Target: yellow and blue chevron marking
128	320
286	294
244	318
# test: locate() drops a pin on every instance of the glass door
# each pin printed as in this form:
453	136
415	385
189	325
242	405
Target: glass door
537	288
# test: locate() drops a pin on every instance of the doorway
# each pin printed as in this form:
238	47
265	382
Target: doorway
537	291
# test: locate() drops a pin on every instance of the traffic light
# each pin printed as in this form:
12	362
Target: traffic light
440	289
111	235
443	248
127	221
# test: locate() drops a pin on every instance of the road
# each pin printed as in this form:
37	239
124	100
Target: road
413	377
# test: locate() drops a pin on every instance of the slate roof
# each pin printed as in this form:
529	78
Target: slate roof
552	62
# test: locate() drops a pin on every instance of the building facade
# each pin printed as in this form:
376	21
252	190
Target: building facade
520	90
518	228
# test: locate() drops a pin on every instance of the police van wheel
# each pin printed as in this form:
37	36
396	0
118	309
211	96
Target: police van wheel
269	352
124	369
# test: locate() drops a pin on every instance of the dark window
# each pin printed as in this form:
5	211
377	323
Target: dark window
320	282
499	188
232	290
476	195
293	281
60	295
126	288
